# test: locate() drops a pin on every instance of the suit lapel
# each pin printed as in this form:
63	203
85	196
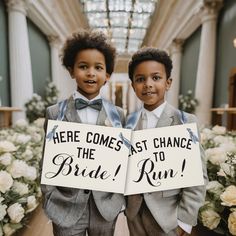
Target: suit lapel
168	117
101	117
71	113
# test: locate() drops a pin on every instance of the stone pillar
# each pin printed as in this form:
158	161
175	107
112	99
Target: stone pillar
124	96
176	54
206	63
54	42
20	62
133	102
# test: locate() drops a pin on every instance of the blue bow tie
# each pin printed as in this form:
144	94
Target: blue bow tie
95	104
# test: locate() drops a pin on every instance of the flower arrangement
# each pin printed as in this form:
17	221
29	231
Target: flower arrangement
20	154
36	106
219	211
187	102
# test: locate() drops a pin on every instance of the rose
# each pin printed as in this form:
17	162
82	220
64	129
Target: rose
219	129
6	181
8	230
232	223
31	203
229	196
216	155
215	187
16	212
6	146
20	188
18	168
22	138
21	123
31	173
5	159
27	154
210	218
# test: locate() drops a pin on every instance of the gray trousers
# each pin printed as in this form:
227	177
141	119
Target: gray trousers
91	223
144	224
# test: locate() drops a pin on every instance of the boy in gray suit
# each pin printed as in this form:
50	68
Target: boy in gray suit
89	58
171	212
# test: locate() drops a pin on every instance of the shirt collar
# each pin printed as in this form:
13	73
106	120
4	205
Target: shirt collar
77	94
157	112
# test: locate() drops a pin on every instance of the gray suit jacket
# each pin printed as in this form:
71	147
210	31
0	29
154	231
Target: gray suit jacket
65	206
168	206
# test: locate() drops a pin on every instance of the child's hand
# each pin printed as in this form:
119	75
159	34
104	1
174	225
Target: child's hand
181	232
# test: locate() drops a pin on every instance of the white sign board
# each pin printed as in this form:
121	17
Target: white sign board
85	156
164	158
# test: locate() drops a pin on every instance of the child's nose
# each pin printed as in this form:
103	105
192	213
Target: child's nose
148	83
91	72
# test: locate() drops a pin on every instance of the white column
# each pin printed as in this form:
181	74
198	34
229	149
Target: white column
55	60
113	92
124	96
20	62
206	62
176	55
133	102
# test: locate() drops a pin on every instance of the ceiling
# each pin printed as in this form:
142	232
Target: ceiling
124	21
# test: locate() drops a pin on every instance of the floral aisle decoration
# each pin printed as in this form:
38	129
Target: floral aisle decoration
219	211
36	106
187	102
20	154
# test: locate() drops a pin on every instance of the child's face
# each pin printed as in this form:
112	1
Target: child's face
89	71
150	83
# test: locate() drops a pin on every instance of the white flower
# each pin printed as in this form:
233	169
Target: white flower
20	188
21	123
228	197
5	159
226	169
39	122
219	129
18	168
232	223
6	146
27	154
16	212
22	138
216	155
6	181
31	173
210	218
3	211
215	187
8	230
31	203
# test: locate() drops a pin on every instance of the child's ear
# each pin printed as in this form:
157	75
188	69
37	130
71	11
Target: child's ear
107	78
168	83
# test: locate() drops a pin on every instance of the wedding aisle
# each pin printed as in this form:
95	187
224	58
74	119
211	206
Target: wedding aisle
40	226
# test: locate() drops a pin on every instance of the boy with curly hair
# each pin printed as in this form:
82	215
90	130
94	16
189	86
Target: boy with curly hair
171	212
89	58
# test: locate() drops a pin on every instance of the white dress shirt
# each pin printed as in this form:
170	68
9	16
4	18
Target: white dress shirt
149	120
87	115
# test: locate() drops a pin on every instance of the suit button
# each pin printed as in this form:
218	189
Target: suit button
86	191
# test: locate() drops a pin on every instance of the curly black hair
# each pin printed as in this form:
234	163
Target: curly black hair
88	39
150	54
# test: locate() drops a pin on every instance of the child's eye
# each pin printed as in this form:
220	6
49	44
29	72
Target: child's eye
99	68
83	67
139	79
156	77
